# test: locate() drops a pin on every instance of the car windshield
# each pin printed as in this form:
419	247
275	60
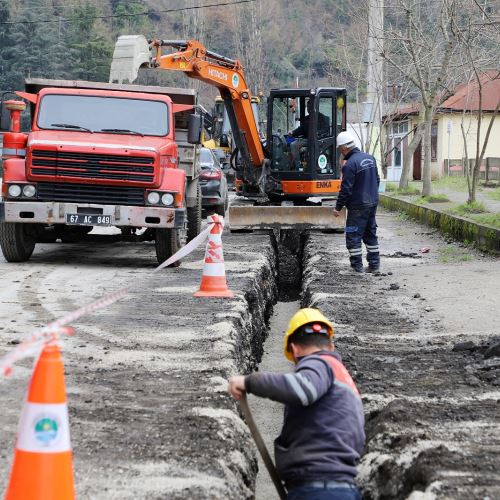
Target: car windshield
103	114
206	158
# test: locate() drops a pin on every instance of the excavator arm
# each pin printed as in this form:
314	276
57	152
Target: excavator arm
192	58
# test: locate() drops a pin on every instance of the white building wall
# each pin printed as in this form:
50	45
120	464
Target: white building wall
456	142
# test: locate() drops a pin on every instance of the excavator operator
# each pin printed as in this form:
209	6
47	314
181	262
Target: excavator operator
301	133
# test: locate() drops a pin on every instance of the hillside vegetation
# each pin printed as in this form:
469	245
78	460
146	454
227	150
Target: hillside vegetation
277	41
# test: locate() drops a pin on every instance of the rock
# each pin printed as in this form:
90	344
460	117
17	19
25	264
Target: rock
14	342
464	346
389	273
428	309
393	286
416	296
492	351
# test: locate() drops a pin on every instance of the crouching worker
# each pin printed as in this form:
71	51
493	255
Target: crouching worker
323	429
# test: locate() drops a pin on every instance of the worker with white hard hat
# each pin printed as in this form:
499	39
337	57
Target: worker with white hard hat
359	194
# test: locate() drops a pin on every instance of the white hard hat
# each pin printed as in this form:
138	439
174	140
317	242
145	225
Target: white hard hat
345	139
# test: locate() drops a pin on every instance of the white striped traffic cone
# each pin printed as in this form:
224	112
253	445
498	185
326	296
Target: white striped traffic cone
43	463
213	280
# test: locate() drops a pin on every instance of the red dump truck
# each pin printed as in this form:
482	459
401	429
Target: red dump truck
100	154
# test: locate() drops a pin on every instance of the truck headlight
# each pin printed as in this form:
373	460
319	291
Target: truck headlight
29	191
167	199
153	198
14	190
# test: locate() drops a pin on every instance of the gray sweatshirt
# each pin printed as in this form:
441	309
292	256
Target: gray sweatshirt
323	429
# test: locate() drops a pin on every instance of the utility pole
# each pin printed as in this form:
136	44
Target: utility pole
375	71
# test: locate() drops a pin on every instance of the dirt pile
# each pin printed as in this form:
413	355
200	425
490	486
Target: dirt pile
432	406
149	413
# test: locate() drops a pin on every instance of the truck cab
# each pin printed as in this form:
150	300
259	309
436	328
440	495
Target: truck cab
101	154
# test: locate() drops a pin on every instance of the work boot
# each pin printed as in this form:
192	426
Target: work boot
372	270
357	269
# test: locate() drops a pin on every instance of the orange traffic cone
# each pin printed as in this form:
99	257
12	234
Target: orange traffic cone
213	280
43	464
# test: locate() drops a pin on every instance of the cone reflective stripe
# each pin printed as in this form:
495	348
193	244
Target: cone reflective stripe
213	280
43	463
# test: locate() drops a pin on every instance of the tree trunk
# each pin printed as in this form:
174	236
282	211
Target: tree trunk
426	174
417	137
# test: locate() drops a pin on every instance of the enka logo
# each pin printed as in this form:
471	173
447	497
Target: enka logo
217	74
323	184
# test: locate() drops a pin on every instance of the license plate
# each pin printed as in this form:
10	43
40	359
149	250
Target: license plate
88	220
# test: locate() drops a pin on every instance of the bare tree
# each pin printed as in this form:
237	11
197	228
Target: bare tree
479	40
248	22
418	42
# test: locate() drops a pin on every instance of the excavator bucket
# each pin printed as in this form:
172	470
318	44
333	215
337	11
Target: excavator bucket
131	53
284	217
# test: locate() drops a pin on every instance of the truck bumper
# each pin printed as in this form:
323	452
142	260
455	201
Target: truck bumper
55	213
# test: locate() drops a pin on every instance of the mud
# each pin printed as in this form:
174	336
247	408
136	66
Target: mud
432	406
146	378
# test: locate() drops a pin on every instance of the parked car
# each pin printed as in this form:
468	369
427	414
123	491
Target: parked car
213	183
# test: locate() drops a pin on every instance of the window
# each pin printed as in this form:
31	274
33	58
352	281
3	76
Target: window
94	113
434	140
325	117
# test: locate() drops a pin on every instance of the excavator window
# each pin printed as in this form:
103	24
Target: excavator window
325	133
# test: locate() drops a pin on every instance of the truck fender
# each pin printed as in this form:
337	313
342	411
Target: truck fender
14	169
175	180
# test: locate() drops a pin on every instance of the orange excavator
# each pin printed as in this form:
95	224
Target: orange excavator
291	178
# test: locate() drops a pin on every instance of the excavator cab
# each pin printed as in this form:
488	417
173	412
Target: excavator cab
301	142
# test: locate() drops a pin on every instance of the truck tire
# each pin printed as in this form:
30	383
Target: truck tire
194	217
167	242
17	241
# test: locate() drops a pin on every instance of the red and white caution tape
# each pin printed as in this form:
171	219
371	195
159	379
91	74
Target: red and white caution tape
52	332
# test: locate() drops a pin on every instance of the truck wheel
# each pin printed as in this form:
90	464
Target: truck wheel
194	217
17	241
167	242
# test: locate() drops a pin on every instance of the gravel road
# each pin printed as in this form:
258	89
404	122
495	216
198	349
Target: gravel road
146	377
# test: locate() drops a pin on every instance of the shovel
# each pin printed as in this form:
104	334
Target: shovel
245	409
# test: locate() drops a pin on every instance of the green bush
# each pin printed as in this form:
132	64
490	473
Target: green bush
433	198
488	219
453	183
408	191
476	207
494	195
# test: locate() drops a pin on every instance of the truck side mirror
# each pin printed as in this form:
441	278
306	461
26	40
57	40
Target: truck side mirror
195	128
4	117
224	141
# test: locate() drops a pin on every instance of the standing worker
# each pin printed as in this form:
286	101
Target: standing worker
323	429
359	194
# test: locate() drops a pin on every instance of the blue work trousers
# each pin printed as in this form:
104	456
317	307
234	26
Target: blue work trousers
318	493
362	227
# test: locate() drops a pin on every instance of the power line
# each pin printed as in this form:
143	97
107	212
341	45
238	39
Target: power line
147	13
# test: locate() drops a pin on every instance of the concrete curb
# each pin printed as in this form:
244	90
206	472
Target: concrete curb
485	237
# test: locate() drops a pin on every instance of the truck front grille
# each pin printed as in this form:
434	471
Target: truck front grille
89	193
92	166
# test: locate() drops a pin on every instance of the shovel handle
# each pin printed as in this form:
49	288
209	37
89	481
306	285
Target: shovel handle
245	409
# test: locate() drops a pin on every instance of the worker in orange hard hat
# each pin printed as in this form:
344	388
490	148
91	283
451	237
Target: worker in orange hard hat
323	430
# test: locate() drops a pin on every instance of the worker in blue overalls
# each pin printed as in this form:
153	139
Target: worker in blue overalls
359	194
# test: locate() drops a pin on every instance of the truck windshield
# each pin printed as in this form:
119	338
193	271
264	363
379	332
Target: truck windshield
103	114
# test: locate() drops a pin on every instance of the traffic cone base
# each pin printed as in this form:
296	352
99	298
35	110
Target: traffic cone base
213	281
43	464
